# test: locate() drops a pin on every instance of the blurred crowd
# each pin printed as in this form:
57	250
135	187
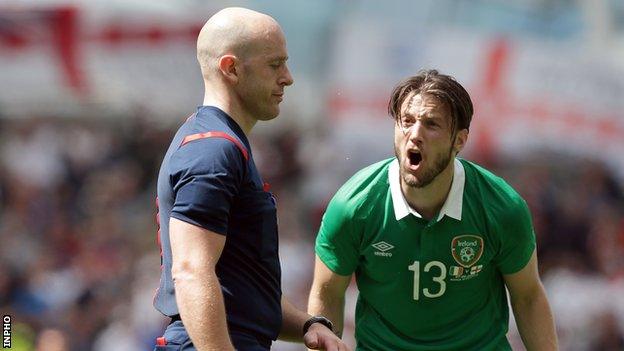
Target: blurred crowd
78	245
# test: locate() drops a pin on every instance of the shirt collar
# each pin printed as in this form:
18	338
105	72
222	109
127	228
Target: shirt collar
452	206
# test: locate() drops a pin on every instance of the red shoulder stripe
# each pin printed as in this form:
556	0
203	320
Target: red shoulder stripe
197	136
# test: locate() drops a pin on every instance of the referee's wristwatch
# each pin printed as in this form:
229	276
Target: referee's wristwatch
317	319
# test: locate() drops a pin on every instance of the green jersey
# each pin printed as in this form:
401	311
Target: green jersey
428	285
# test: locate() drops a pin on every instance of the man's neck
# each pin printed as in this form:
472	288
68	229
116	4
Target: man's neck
428	201
233	110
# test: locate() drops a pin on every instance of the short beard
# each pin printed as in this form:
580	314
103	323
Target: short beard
429	175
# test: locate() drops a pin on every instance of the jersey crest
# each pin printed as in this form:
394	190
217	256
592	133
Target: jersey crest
467	249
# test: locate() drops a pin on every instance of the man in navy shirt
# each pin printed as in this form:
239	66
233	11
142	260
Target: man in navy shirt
220	281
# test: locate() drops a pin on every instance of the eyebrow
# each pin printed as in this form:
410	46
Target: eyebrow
426	115
433	117
278	58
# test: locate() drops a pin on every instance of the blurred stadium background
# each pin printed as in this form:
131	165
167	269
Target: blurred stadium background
91	92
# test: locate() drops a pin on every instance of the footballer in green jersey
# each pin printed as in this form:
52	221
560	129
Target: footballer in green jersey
432	240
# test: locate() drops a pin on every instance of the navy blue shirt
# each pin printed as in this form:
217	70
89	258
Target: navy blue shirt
212	182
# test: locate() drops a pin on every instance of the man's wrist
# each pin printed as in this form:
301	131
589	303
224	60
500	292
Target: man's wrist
317	319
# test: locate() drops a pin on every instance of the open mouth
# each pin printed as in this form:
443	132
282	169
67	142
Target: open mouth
414	157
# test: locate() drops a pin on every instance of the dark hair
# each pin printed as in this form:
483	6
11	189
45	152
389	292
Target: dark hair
443	87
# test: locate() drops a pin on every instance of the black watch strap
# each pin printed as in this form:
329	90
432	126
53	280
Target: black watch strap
317	319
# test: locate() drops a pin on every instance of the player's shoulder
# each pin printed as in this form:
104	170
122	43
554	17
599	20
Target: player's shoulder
365	187
493	191
206	148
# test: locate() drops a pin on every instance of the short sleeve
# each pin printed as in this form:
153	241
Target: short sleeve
517	239
205	176
337	243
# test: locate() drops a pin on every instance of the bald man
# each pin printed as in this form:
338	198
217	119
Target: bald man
220	280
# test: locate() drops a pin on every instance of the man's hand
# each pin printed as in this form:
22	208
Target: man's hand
319	337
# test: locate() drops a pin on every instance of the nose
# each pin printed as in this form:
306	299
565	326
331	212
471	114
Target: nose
415	133
286	78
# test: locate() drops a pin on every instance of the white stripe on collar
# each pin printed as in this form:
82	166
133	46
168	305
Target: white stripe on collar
452	206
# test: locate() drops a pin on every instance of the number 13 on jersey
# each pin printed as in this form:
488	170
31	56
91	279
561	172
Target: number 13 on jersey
439	279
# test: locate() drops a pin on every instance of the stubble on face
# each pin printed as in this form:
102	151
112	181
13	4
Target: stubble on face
442	160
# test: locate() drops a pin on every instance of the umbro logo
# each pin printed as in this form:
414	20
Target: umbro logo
382	248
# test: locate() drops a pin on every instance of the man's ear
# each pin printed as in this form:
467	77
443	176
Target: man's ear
460	140
228	65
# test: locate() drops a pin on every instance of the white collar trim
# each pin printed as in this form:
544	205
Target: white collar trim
452	206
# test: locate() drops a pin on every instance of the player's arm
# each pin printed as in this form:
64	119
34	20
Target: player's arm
327	295
530	307
337	256
318	337
195	253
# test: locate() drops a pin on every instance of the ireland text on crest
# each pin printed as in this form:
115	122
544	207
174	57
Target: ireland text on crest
467	249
